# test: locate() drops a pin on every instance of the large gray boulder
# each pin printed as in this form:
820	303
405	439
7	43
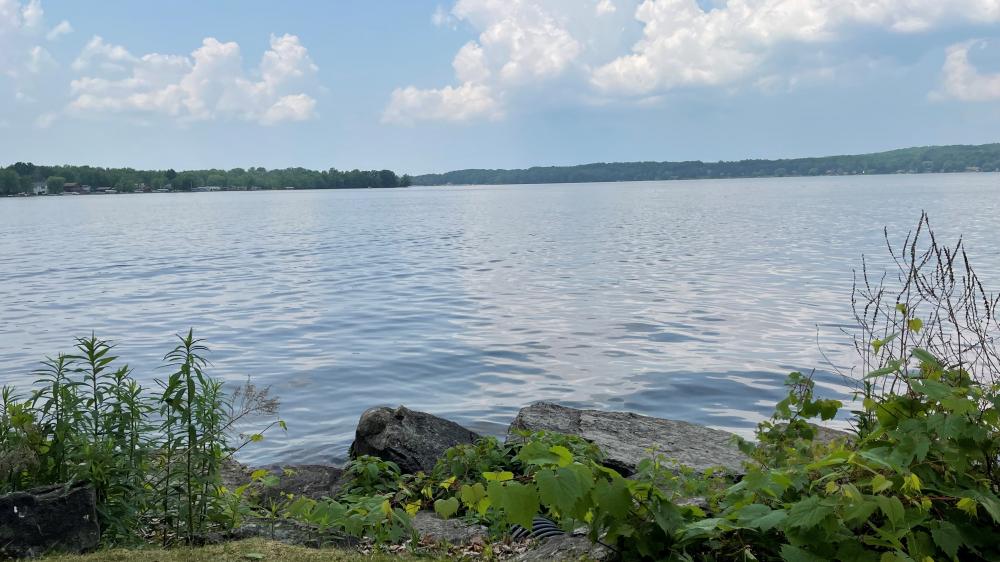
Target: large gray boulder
626	438
51	519
413	440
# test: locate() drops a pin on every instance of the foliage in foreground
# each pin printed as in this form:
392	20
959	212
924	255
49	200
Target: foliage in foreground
154	456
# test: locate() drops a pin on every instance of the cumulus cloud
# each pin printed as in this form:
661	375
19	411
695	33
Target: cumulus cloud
209	84
519	42
456	104
962	80
686	44
27	68
605	7
63	28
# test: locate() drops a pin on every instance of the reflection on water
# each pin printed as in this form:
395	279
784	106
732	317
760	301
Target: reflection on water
689	300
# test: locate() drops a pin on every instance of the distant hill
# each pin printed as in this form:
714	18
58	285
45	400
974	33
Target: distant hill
927	159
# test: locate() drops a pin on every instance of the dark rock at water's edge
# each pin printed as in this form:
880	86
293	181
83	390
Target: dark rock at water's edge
413	440
61	518
627	438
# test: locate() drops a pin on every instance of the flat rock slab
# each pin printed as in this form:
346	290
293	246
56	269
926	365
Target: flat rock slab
51	519
627	438
565	548
451	531
413	440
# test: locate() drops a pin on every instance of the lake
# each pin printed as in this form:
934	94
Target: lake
687	299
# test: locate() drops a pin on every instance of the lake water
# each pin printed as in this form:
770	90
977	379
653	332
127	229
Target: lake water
687	299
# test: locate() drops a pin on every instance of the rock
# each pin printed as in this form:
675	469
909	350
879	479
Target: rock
412	440
452	531
314	481
288	531
626	438
565	548
51	519
234	473
310	480
827	435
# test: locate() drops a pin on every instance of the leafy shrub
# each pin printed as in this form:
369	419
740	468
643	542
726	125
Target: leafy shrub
371	475
153	457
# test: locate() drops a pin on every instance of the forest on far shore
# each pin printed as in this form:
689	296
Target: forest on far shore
929	159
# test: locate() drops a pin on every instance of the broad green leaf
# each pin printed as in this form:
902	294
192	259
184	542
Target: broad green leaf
808	512
518	502
498	476
613	498
915	324
562	489
926	357
539	454
892	508
948	538
564	454
880	483
791	553
472	495
446	508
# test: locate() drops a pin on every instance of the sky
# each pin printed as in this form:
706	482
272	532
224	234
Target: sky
428	85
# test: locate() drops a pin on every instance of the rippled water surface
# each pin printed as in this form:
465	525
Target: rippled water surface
689	300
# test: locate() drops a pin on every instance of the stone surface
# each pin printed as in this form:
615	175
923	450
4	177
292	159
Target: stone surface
452	531
566	548
289	532
626	438
314	481
413	440
50	519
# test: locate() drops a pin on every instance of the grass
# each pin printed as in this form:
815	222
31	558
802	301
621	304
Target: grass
253	550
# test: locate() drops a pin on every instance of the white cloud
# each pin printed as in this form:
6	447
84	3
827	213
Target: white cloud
962	80
464	103
605	7
107	57
209	84
64	28
520	42
685	44
45	120
27	69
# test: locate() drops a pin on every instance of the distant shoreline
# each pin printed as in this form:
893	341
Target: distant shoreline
917	160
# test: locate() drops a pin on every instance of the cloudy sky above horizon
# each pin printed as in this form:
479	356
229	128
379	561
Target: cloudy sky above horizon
421	86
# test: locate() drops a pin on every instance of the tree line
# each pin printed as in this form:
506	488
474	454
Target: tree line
932	159
22	177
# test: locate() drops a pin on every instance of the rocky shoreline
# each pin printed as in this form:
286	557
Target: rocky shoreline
414	441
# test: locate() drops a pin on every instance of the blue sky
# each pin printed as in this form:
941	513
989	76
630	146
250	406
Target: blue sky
420	86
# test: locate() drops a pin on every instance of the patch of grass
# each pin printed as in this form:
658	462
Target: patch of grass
255	550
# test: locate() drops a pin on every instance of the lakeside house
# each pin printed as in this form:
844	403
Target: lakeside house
40	188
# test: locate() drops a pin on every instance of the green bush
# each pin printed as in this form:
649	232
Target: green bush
153	456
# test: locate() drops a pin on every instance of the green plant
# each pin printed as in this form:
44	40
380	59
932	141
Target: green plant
371	475
371	517
153	459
